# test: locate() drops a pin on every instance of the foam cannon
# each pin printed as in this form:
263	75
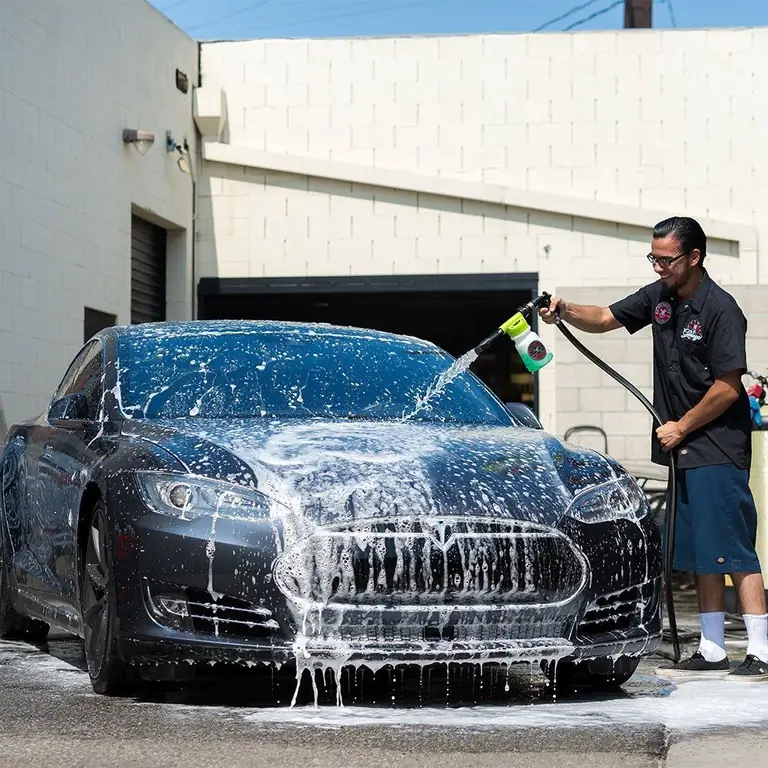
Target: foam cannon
530	347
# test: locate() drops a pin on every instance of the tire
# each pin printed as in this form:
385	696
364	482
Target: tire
603	674
109	675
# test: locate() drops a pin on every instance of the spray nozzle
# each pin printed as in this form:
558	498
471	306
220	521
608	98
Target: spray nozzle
528	309
517	323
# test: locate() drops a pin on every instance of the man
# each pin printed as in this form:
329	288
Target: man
699	346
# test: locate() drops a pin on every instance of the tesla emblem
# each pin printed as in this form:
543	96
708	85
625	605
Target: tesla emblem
436	531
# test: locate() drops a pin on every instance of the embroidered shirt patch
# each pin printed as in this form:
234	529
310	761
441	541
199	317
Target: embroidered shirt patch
662	313
693	330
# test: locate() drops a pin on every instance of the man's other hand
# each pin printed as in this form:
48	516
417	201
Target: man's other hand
670	435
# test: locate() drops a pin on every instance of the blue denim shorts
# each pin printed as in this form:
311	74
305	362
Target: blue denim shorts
716	522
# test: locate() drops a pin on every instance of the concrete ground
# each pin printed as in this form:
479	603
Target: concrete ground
50	716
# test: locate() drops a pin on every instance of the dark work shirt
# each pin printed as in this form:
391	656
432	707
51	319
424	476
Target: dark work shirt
694	342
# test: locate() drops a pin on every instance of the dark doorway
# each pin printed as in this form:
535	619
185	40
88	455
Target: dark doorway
148	271
95	321
454	312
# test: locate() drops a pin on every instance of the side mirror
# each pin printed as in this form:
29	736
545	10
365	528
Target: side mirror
525	415
72	407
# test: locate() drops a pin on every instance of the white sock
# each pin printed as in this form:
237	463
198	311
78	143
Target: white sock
712	643
757	632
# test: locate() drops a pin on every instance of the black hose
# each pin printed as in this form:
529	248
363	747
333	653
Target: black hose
669	544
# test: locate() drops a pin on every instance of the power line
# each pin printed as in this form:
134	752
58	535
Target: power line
281	13
172	6
230	15
594	15
671	13
575	9
386	7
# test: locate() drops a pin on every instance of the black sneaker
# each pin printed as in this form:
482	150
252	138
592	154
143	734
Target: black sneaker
697	666
751	670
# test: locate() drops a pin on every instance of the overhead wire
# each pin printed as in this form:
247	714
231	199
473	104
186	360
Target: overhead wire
172	6
319	9
365	8
230	15
671	13
594	15
563	16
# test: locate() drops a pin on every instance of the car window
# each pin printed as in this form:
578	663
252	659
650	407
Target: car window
85	375
286	374
72	371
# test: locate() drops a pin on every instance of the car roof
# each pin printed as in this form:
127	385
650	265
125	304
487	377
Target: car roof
178	328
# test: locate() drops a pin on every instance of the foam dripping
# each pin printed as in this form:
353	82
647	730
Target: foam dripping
315	477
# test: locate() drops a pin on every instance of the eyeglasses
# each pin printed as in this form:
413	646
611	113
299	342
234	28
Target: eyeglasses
665	261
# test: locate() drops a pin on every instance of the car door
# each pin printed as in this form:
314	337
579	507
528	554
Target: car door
75	421
24	492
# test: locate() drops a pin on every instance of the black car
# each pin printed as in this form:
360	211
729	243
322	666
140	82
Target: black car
262	492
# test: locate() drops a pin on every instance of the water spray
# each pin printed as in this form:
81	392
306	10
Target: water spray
535	356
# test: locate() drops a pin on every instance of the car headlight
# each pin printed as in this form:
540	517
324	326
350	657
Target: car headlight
620	498
190	498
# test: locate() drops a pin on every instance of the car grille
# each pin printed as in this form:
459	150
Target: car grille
228	616
424	563
618	611
196	610
530	629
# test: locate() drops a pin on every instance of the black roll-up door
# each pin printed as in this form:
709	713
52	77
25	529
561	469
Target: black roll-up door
147	271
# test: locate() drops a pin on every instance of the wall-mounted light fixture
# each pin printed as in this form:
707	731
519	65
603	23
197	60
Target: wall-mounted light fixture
182	81
141	140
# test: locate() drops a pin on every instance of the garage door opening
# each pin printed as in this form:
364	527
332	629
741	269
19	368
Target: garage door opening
148	271
454	312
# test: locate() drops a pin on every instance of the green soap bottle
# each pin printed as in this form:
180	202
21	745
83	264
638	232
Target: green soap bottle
530	347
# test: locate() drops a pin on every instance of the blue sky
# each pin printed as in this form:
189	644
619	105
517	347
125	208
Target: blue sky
243	19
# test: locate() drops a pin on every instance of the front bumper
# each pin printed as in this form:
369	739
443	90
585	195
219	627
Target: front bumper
181	600
176	650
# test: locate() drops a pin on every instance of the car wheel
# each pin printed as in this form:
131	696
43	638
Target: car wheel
603	674
107	672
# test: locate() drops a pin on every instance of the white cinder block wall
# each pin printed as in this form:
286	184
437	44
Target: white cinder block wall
72	76
662	122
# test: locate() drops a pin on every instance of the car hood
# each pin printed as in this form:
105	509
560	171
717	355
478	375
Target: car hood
342	471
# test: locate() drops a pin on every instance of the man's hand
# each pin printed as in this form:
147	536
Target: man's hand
585	318
557	306
670	435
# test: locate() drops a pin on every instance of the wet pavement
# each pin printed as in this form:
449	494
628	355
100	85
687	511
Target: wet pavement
50	716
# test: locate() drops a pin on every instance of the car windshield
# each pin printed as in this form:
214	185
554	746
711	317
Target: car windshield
300	374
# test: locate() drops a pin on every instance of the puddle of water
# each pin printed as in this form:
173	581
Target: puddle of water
646	699
650	700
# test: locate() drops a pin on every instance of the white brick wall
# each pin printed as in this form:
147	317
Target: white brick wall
657	120
665	120
72	76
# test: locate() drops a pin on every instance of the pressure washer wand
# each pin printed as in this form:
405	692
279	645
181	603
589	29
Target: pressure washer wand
525	311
